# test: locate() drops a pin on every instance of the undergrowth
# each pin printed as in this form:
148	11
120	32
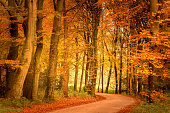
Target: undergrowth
73	93
161	106
12	105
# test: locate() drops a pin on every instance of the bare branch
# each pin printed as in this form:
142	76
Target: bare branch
55	8
22	1
80	3
17	2
3	3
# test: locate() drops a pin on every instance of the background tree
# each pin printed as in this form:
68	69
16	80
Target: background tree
58	6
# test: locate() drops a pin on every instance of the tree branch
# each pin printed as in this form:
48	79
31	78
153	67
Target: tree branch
80	3
3	3
55	8
21	2
5	6
17	2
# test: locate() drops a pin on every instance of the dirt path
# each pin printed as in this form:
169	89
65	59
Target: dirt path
112	104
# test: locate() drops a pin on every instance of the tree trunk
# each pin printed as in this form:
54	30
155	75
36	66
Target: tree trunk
30	89
127	78
134	83
153	31
108	80
76	67
115	67
15	90
65	56
102	71
82	73
87	41
95	23
139	84
38	51
120	77
49	93
13	51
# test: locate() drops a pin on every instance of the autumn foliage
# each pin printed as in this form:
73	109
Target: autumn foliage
122	46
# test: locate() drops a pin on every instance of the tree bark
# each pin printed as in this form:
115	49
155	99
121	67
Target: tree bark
49	93
76	68
15	90
65	55
87	42
120	77
13	51
30	89
95	23
82	73
102	70
115	67
153	31
110	73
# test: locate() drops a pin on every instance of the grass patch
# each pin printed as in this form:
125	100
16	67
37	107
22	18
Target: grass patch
8	106
23	102
156	107
12	105
73	93
8	109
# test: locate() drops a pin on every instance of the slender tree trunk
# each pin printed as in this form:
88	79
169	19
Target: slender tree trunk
115	67
38	51
87	61
110	72
134	84
49	93
102	70
2	81
65	56
82	73
150	83
16	90
120	77
127	82
99	84
87	42
127	70
76	68
139	85
130	69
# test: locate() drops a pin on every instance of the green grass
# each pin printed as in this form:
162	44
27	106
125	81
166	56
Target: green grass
16	104
8	105
7	109
12	105
156	107
73	93
23	102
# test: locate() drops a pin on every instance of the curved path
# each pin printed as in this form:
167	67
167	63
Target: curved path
112	104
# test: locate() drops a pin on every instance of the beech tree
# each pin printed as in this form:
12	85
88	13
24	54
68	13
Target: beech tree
123	44
15	85
30	89
58	6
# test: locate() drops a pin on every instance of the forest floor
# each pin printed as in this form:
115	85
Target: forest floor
103	103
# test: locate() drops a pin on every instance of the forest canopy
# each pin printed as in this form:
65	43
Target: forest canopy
122	46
